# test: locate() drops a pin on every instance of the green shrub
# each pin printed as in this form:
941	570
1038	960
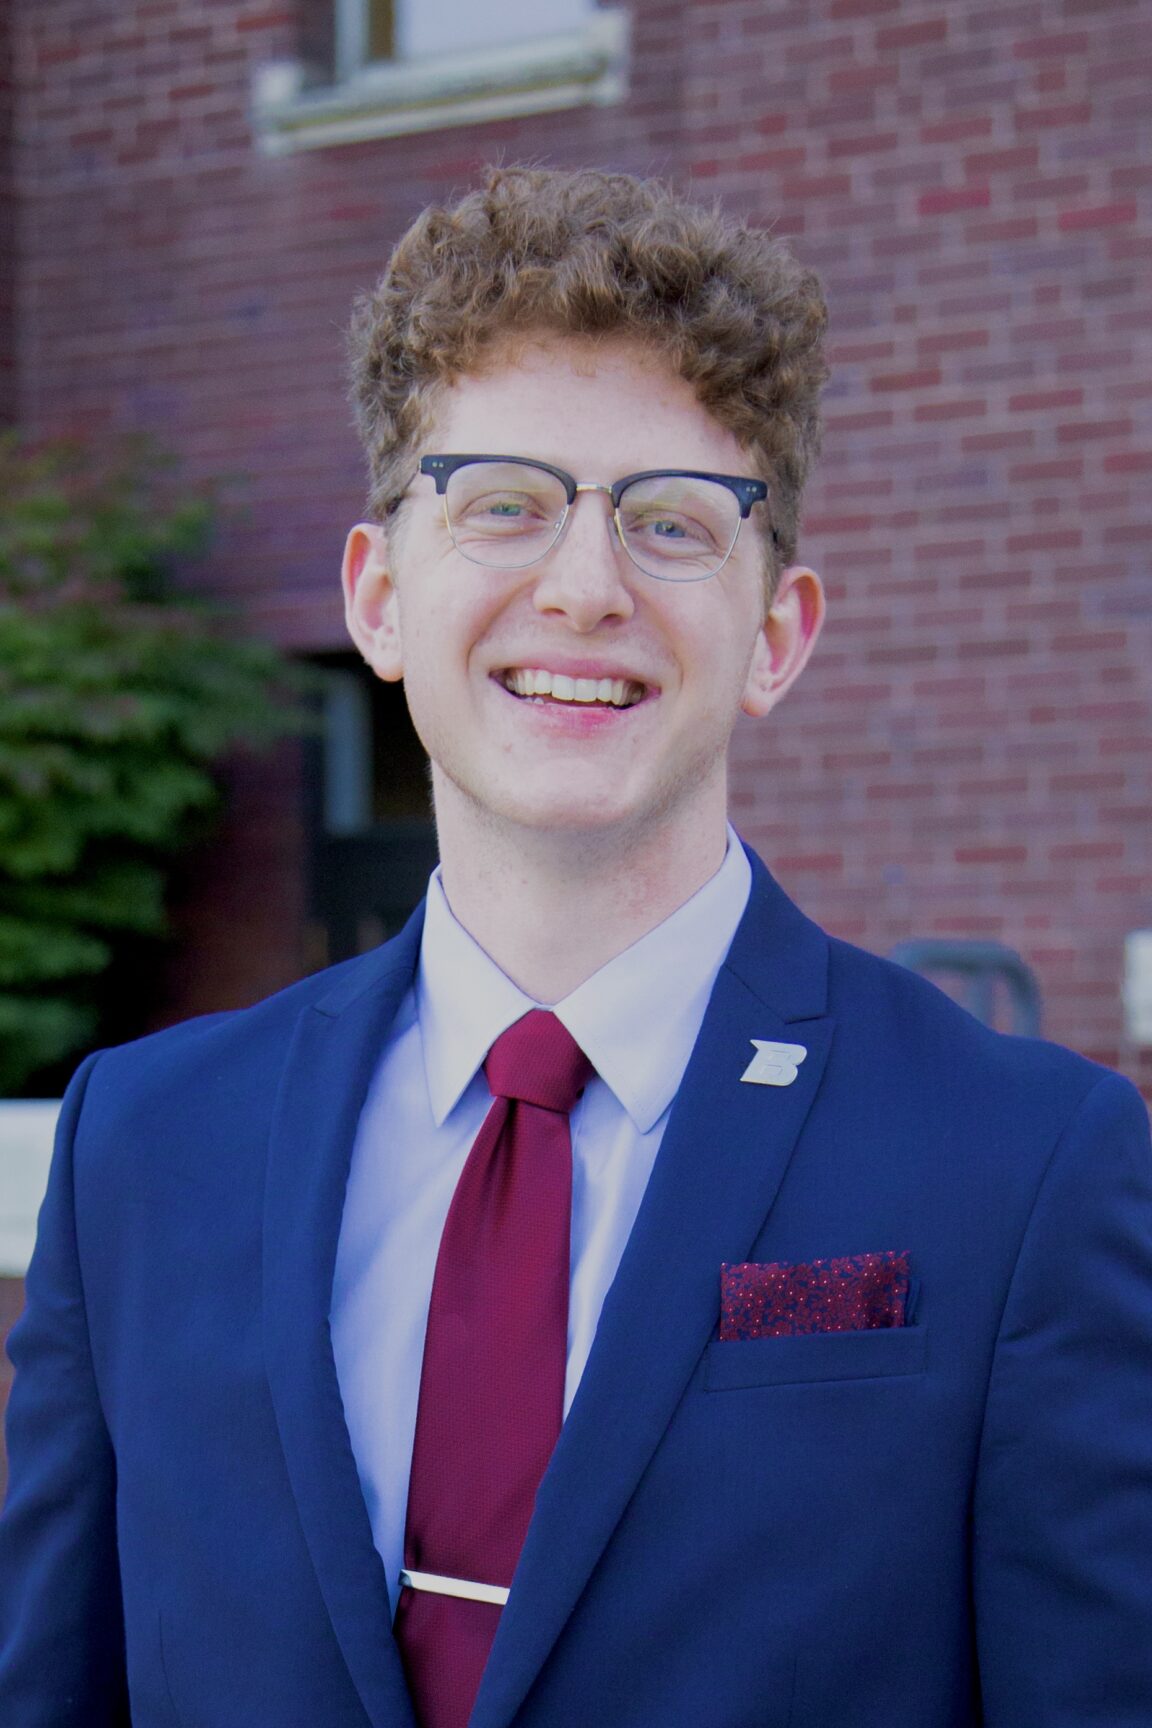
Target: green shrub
117	696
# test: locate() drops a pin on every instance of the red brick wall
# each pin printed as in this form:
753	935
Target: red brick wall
239	906
970	752
7	225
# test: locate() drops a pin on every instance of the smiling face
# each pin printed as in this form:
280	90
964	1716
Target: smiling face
578	695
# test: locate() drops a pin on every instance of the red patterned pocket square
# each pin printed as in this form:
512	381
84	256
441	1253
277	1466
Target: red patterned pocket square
856	1293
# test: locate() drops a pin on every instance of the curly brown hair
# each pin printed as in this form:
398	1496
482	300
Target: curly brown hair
595	254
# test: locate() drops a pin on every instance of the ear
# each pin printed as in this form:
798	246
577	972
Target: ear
370	601
785	640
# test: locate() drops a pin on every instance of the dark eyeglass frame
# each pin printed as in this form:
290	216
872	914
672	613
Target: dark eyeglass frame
746	491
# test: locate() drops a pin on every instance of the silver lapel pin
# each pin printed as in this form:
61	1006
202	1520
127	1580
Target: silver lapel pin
773	1064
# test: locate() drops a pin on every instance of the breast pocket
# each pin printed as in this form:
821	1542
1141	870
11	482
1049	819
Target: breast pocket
799	1357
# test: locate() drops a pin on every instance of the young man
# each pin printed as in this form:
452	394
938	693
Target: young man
613	1301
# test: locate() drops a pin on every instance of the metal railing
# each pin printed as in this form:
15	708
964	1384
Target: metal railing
988	972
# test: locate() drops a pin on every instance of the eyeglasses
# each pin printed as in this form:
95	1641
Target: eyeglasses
506	512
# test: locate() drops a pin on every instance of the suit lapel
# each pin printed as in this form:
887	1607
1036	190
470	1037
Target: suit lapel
336	1048
723	1156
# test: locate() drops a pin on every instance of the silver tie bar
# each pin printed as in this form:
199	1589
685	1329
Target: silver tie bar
437	1585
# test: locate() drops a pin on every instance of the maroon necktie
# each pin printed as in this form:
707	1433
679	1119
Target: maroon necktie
495	1353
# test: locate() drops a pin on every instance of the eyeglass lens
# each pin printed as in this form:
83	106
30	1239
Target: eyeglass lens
507	515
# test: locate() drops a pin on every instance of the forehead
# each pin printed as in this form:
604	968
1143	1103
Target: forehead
600	408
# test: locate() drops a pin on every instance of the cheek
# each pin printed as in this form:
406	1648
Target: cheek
421	636
724	663
430	716
436	648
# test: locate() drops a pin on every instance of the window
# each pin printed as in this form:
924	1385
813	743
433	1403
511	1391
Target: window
368	813
415	65
413	29
380	30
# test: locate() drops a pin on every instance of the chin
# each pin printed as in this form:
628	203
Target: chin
601	810
572	816
566	810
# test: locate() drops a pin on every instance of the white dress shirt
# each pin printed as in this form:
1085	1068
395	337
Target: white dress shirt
636	1020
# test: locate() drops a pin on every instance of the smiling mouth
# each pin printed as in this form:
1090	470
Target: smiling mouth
532	683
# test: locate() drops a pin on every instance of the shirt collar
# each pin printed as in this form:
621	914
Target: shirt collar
636	1019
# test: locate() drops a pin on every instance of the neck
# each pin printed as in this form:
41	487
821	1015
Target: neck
552	908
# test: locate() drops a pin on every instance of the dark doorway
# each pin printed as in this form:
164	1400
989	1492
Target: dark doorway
373	842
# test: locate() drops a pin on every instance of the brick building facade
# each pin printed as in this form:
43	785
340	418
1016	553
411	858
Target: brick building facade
7	227
970	752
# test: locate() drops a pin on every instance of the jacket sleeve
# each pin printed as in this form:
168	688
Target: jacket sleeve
1062	1514
61	1623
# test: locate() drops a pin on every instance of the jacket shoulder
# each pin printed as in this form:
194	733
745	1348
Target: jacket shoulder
917	1032
228	1052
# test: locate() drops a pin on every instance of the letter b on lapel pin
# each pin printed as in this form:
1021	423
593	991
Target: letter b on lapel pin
773	1064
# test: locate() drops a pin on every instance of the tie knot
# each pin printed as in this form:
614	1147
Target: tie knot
538	1062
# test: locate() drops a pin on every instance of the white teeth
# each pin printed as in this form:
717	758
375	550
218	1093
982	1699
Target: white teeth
534	681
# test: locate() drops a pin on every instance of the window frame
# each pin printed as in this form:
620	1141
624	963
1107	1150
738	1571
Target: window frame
352	34
295	109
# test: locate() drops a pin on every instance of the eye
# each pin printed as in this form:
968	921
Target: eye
670	529
501	509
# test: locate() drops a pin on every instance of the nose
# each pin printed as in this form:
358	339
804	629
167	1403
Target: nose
583	574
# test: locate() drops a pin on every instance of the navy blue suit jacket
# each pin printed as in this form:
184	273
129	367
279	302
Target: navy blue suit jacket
937	1526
